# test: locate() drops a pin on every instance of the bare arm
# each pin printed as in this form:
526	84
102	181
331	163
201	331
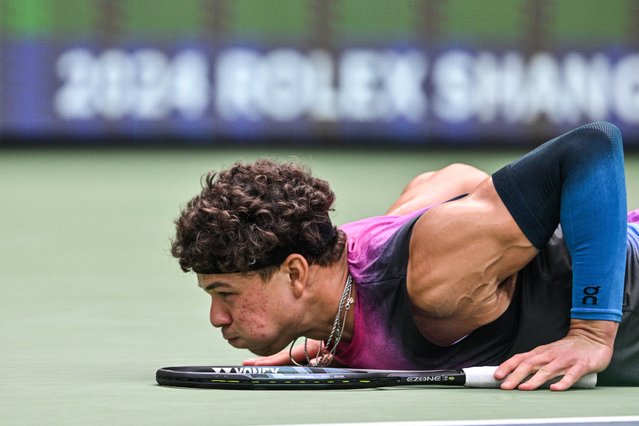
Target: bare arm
461	255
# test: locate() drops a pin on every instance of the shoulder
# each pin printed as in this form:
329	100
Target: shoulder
373	244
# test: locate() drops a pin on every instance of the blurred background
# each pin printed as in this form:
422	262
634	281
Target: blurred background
112	110
315	72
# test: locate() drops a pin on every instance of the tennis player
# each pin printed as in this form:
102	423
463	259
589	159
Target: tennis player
485	278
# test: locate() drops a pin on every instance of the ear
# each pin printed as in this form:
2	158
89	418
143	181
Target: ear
297	268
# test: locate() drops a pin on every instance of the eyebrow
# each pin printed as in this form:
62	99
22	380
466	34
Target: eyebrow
216	284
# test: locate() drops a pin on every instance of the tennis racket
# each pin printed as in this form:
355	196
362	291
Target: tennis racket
289	377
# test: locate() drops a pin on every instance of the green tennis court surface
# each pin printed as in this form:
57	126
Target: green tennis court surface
91	303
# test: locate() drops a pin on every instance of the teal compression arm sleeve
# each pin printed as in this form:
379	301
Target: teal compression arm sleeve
576	179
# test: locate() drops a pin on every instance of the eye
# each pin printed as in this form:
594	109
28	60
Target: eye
223	294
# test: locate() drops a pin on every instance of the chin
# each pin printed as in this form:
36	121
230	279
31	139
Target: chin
267	351
263	352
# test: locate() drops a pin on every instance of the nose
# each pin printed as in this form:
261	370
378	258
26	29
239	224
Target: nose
219	314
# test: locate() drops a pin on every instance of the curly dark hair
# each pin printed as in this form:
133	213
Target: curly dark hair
251	216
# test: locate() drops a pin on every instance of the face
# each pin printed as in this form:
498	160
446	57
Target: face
252	314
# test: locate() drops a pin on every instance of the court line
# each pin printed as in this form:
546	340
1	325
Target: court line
563	421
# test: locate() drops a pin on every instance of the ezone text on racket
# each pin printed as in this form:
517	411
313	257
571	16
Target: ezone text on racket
427	379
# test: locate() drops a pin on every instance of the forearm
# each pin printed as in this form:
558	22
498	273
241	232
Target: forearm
576	179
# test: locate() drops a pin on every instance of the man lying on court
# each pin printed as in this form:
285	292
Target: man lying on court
481	279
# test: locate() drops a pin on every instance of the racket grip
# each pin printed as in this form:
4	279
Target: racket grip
484	377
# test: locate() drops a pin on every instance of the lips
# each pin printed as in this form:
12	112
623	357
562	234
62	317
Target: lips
236	343
229	338
227	335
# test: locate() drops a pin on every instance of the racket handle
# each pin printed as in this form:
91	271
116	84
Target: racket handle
484	377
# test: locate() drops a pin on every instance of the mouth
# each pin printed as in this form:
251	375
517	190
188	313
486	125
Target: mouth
227	335
239	342
234	341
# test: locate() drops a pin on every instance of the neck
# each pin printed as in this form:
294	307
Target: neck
327	287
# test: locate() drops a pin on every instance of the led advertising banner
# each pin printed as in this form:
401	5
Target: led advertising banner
414	72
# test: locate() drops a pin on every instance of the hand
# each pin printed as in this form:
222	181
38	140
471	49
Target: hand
587	348
283	358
